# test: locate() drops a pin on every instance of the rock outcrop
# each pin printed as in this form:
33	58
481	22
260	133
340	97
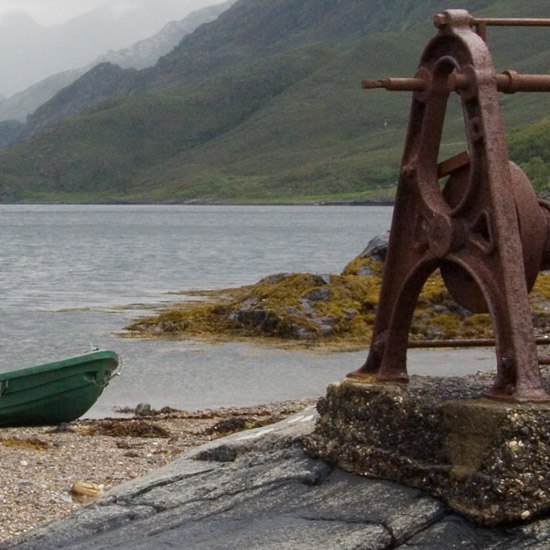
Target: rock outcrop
333	310
258	490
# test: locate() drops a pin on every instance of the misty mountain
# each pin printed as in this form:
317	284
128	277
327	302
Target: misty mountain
30	52
19	105
146	53
7	129
262	104
142	54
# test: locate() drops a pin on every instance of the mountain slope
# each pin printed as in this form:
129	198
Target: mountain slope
144	53
19	105
263	104
30	52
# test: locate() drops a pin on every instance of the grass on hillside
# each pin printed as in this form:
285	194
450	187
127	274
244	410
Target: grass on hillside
255	121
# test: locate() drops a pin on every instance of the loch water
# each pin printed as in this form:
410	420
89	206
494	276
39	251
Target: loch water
72	275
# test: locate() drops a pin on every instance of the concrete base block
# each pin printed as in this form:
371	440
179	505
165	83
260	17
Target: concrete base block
488	460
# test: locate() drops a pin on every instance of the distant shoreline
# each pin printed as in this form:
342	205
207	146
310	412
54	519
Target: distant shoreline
191	202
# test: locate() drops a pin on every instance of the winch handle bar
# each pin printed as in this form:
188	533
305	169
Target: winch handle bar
508	82
481	23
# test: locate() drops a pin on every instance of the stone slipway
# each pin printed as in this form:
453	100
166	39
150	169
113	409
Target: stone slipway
258	490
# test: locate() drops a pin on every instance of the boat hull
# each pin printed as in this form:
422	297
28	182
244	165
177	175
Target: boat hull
56	392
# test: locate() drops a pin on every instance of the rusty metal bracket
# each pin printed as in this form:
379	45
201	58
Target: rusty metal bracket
474	226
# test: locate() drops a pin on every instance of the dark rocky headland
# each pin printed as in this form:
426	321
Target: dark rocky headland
324	312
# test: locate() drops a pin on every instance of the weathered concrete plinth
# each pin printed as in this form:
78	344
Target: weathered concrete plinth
488	460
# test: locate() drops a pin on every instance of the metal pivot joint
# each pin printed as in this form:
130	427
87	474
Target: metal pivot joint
475	226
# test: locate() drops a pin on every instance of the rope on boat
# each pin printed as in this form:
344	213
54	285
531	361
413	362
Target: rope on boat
107	378
118	370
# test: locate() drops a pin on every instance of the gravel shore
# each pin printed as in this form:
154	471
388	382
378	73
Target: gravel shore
40	466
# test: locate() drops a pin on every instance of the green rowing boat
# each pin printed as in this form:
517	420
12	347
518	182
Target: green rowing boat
56	392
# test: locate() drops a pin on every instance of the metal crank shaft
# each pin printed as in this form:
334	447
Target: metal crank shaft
508	82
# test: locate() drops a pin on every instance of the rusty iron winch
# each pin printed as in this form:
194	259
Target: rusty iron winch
471	216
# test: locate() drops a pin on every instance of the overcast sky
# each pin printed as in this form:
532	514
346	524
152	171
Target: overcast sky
49	12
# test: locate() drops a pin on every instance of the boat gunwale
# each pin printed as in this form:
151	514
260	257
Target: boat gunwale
96	355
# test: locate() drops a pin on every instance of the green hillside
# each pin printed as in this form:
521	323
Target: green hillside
265	104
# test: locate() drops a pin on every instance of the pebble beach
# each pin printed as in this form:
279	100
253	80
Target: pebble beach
48	470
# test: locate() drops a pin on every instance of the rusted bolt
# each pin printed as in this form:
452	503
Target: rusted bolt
440	20
396	84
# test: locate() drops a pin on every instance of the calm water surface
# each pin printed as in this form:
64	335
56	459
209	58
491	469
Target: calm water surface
72	256
77	274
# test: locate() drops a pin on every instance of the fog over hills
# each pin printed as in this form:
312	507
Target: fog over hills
139	55
30	52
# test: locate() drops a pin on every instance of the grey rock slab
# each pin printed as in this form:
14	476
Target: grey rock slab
453	532
233	482
258	490
266	533
169	475
536	533
353	499
88	522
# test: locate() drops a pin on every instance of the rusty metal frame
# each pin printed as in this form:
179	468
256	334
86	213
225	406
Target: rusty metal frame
472	232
